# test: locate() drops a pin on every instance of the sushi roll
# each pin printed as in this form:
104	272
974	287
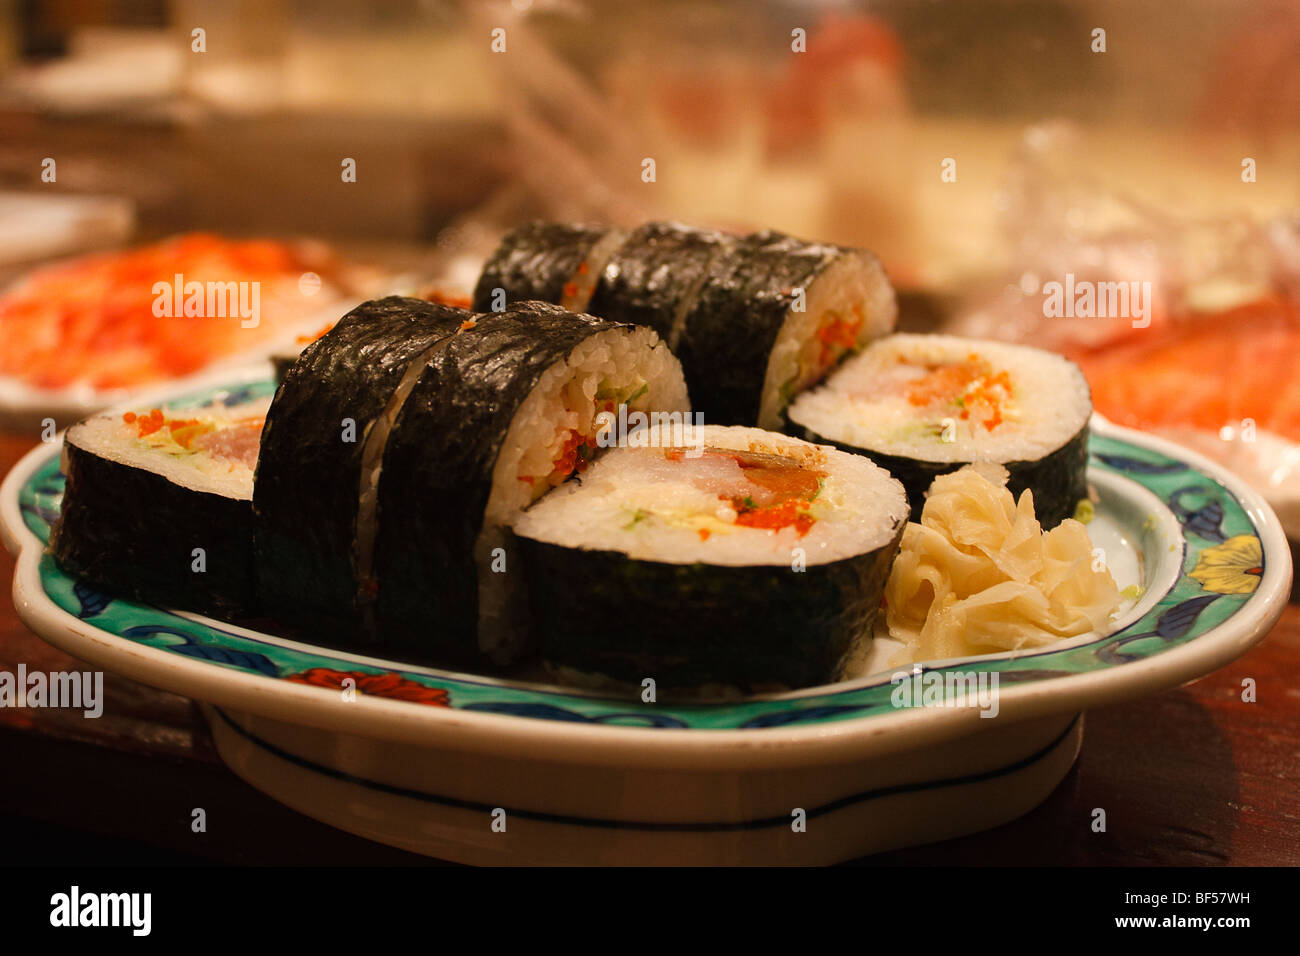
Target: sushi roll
546	262
656	275
282	358
774	318
508	410
754	320
158	506
925	405
711	560
320	456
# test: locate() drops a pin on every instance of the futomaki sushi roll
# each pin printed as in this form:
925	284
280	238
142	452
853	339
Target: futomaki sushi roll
158	505
714	560
774	317
402	441
508	410
546	262
656	274
755	319
320	458
925	405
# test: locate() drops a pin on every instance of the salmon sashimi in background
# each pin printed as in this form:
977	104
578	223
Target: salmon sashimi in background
92	320
1207	372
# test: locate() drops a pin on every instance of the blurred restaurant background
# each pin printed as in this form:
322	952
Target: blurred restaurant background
982	149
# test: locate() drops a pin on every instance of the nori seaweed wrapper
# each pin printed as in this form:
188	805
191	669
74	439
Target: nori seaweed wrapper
437	474
308	480
656	273
733	325
685	625
719	301
131	533
1059	480
535	262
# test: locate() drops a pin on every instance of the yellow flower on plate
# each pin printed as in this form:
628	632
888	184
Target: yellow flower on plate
1233	567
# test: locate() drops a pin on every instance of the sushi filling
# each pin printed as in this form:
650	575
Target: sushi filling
746	497
752	562
553	436
233	441
848	305
756	490
578	443
608	370
945	399
206	449
969	389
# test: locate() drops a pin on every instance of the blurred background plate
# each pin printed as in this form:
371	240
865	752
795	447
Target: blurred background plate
35	226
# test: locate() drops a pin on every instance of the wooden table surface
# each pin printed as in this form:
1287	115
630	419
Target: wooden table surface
1189	776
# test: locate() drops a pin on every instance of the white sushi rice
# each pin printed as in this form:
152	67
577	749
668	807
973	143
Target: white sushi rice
652	506
564	399
109	437
853	280
864	404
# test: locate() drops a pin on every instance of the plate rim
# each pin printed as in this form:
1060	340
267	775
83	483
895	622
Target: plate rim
650	747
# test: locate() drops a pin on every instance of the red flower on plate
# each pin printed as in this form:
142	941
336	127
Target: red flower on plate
389	685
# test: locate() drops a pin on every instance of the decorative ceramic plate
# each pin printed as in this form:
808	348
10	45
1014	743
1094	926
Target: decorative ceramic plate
484	769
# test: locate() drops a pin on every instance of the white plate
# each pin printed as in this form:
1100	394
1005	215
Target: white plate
430	760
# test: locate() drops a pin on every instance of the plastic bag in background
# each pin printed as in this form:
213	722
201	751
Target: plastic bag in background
1209	358
1071	229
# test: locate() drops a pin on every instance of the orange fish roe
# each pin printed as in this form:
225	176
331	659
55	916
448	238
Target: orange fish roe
183	431
944	384
704	534
969	385
839	333
794	489
571	458
778	516
576	452
146	424
468	324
